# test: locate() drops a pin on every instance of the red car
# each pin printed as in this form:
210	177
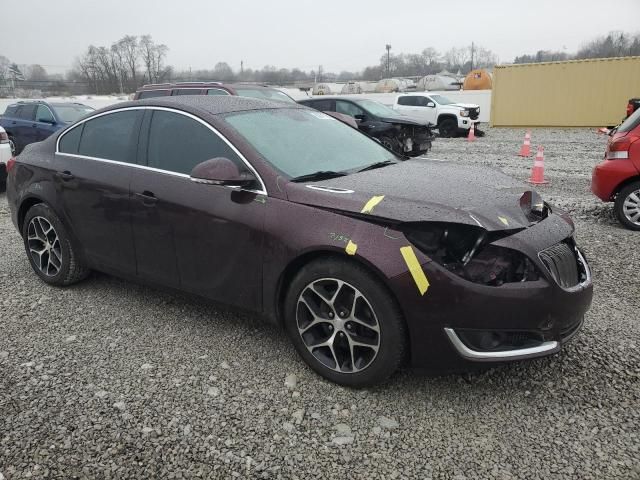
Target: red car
617	179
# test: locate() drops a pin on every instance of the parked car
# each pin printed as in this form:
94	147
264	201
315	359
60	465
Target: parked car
617	178
32	121
451	118
632	106
211	88
5	155
365	258
396	132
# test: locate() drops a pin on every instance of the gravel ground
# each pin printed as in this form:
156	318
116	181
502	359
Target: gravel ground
108	379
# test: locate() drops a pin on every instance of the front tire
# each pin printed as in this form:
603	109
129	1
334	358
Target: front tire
49	249
447	128
627	206
344	323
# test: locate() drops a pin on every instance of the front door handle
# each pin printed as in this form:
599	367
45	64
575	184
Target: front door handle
147	198
66	175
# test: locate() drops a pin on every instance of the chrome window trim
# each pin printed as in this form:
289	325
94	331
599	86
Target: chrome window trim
544	348
261	191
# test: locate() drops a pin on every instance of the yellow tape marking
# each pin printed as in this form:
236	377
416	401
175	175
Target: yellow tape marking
351	248
369	206
504	220
415	268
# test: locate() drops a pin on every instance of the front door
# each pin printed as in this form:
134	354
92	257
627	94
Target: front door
93	178
206	239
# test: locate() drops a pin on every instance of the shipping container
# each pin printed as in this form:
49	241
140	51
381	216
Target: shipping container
575	93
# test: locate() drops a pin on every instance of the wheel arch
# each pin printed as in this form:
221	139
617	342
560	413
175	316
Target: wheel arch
25	206
444	116
623	184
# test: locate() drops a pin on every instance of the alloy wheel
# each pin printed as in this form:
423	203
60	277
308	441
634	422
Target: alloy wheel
631	207
338	325
44	246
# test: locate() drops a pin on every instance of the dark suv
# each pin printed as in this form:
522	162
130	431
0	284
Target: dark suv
32	121
398	133
211	88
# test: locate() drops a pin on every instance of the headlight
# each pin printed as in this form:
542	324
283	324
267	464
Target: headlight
464	113
466	251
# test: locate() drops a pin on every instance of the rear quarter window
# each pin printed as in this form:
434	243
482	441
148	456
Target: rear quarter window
70	141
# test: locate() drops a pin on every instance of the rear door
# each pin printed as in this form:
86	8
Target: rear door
23	125
206	239
98	157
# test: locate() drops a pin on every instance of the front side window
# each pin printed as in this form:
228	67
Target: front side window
322	105
178	143
217	91
377	109
43	114
348	108
111	137
300	141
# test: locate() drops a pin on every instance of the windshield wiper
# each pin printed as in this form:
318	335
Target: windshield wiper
373	166
319	175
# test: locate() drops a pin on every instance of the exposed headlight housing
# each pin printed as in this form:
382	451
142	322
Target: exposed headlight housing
466	251
464	113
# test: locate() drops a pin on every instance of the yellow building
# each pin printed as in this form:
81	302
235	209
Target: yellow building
575	93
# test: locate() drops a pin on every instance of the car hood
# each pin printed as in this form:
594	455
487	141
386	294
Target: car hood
423	190
464	105
401	121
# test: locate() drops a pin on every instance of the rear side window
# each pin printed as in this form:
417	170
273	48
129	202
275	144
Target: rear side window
408	101
26	112
153	93
322	105
71	140
187	91
112	137
178	143
217	91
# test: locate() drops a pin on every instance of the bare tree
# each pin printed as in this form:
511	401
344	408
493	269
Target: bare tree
153	56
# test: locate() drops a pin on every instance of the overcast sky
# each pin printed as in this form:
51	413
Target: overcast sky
339	35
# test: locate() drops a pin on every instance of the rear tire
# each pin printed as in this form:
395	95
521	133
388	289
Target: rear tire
339	302
49	249
447	128
627	206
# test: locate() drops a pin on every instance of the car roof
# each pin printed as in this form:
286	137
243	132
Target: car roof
200	85
212	105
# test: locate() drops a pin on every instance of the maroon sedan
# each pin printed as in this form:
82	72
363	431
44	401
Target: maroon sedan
367	260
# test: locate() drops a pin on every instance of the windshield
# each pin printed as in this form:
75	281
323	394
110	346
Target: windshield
299	142
630	123
376	108
71	113
265	94
442	100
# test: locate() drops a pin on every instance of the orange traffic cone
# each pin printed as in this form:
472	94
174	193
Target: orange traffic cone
537	172
472	134
525	150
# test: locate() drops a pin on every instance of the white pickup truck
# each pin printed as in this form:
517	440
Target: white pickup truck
449	117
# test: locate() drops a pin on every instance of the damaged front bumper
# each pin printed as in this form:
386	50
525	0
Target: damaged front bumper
458	322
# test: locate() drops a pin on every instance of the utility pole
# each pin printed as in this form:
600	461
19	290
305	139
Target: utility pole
388	47
241	68
319	78
472	52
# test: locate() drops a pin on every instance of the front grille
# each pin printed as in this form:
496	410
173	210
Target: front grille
474	113
562	263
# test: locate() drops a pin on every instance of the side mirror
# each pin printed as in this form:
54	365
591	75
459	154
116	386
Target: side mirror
360	117
221	171
431	105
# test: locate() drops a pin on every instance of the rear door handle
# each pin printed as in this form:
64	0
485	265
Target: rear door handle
147	198
66	175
